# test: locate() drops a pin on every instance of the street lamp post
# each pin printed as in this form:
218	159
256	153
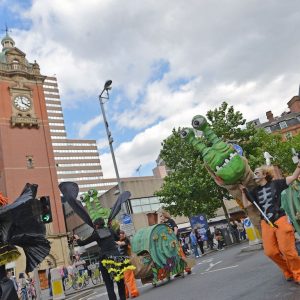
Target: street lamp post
106	88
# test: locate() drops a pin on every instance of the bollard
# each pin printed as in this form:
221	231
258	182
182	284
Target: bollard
252	233
57	285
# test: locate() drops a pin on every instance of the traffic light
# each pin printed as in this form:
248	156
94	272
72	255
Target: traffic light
46	215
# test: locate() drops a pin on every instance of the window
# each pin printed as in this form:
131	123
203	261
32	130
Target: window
268	129
145	204
29	162
15	64
283	124
53	105
288	135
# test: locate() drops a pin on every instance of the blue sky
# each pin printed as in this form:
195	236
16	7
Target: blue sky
168	62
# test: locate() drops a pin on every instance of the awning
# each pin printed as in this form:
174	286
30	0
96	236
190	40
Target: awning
184	225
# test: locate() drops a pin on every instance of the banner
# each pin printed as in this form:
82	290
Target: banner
200	223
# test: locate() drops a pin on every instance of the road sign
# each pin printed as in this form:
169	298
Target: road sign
247	222
126	219
238	149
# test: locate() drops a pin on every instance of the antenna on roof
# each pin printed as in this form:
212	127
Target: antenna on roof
138	170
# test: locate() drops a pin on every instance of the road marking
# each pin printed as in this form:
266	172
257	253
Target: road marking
77	294
205	261
211	265
93	298
219	269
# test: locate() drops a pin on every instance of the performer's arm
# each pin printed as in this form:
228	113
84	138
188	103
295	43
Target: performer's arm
246	202
294	176
86	241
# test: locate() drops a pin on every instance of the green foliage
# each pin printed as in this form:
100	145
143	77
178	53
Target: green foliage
189	189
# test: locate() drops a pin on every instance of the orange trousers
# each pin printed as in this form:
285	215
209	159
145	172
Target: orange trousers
181	254
279	245
130	284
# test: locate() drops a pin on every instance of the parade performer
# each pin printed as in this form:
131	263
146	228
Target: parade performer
129	280
95	210
156	254
277	232
21	226
112	264
290	202
223	163
166	219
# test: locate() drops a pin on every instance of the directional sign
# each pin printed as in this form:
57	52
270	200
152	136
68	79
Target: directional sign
126	219
238	149
247	222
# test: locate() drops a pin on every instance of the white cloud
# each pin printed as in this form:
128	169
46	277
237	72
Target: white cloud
244	52
85	128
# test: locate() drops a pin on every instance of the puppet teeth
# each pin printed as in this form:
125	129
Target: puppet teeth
218	168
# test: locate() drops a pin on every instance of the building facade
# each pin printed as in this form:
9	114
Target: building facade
26	152
287	124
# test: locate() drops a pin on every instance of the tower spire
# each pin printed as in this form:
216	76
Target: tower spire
7	41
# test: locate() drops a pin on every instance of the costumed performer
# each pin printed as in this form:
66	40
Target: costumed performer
20	226
129	280
277	232
290	202
166	219
112	264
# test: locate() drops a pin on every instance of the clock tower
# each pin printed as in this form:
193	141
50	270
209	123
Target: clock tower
26	153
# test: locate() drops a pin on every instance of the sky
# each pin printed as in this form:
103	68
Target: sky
168	60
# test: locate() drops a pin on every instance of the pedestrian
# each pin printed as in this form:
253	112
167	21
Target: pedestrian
219	238
241	229
49	280
78	264
108	252
13	279
23	286
166	219
199	240
210	239
129	280
233	227
194	243
185	245
277	232
31	289
187	242
64	275
7	286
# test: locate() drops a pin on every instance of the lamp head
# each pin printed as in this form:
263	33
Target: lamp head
107	85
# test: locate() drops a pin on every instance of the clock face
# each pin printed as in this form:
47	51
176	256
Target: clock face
22	103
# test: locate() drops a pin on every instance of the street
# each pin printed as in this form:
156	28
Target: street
228	275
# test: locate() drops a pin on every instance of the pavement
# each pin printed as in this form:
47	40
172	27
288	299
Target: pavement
79	294
70	294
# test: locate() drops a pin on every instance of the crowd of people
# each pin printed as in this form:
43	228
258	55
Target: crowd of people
24	286
196	243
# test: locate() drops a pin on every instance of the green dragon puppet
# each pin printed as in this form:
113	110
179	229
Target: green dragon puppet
223	163
91	201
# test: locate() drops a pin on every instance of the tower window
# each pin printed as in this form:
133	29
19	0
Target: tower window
29	162
15	64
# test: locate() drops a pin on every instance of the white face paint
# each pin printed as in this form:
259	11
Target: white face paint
258	175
